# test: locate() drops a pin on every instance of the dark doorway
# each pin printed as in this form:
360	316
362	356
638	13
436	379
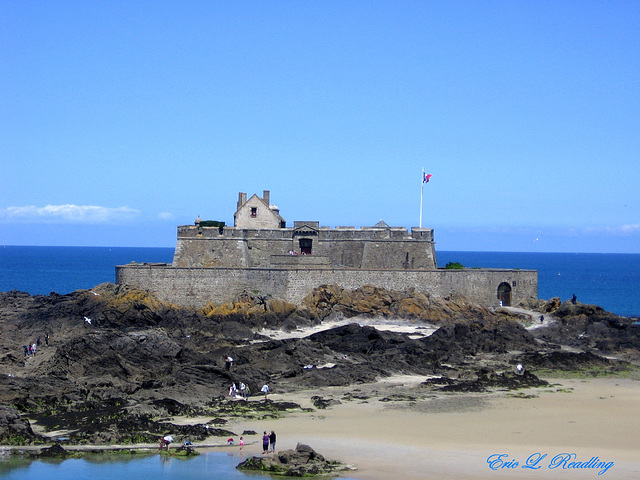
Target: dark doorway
305	246
504	294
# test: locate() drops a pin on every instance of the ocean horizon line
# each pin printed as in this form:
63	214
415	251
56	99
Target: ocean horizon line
437	250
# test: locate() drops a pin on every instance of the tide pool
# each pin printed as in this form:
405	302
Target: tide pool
207	466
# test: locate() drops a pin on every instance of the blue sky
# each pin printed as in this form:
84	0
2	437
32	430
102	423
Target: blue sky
121	120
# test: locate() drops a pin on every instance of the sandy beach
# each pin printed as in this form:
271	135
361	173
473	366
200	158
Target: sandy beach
453	436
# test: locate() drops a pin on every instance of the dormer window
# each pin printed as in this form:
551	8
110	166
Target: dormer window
254	212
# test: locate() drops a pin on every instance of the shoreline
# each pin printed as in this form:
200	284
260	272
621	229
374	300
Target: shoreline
450	435
453	436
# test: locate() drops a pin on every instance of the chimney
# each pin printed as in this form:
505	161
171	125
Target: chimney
242	199
265	196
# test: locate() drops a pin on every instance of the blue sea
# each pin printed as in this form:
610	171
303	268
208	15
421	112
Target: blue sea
207	466
609	280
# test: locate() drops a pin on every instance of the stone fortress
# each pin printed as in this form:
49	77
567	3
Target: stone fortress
262	256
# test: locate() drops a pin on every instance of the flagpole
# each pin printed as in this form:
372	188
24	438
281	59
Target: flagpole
421	192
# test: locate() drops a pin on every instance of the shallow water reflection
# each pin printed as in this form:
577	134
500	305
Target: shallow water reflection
210	466
207	466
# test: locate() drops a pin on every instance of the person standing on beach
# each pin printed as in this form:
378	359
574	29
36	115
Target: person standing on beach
265	390
272	442
265	443
241	442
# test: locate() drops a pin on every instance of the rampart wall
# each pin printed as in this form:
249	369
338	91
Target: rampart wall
343	247
195	287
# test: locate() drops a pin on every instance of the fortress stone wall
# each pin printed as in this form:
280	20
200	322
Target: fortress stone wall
259	254
343	247
195	287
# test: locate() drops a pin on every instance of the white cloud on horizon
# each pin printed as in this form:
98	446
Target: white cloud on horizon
629	229
166	216
78	214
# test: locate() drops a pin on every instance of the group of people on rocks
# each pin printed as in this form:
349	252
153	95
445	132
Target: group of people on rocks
30	349
238	391
241	390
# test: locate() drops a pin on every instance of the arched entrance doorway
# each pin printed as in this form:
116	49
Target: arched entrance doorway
504	294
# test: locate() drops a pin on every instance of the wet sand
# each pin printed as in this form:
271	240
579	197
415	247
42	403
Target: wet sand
452	436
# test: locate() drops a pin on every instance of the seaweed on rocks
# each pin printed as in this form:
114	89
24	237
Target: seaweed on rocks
486	381
303	461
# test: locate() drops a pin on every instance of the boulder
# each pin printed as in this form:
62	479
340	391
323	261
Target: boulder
15	430
303	461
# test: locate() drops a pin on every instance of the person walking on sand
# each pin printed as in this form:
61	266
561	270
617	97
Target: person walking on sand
272	442
241	443
265	443
265	390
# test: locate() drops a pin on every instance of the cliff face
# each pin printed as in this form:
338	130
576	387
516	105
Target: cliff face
126	356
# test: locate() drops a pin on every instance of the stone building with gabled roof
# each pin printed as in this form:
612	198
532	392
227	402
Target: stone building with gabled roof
257	212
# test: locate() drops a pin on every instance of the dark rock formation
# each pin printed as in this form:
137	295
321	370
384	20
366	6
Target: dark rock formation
589	326
304	461
118	359
322	403
54	451
485	380
15	430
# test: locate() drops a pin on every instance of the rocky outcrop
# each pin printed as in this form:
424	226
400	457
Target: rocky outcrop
485	380
330	300
591	327
15	430
118	359
303	461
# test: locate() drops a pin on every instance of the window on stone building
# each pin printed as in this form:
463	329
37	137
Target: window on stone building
254	212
